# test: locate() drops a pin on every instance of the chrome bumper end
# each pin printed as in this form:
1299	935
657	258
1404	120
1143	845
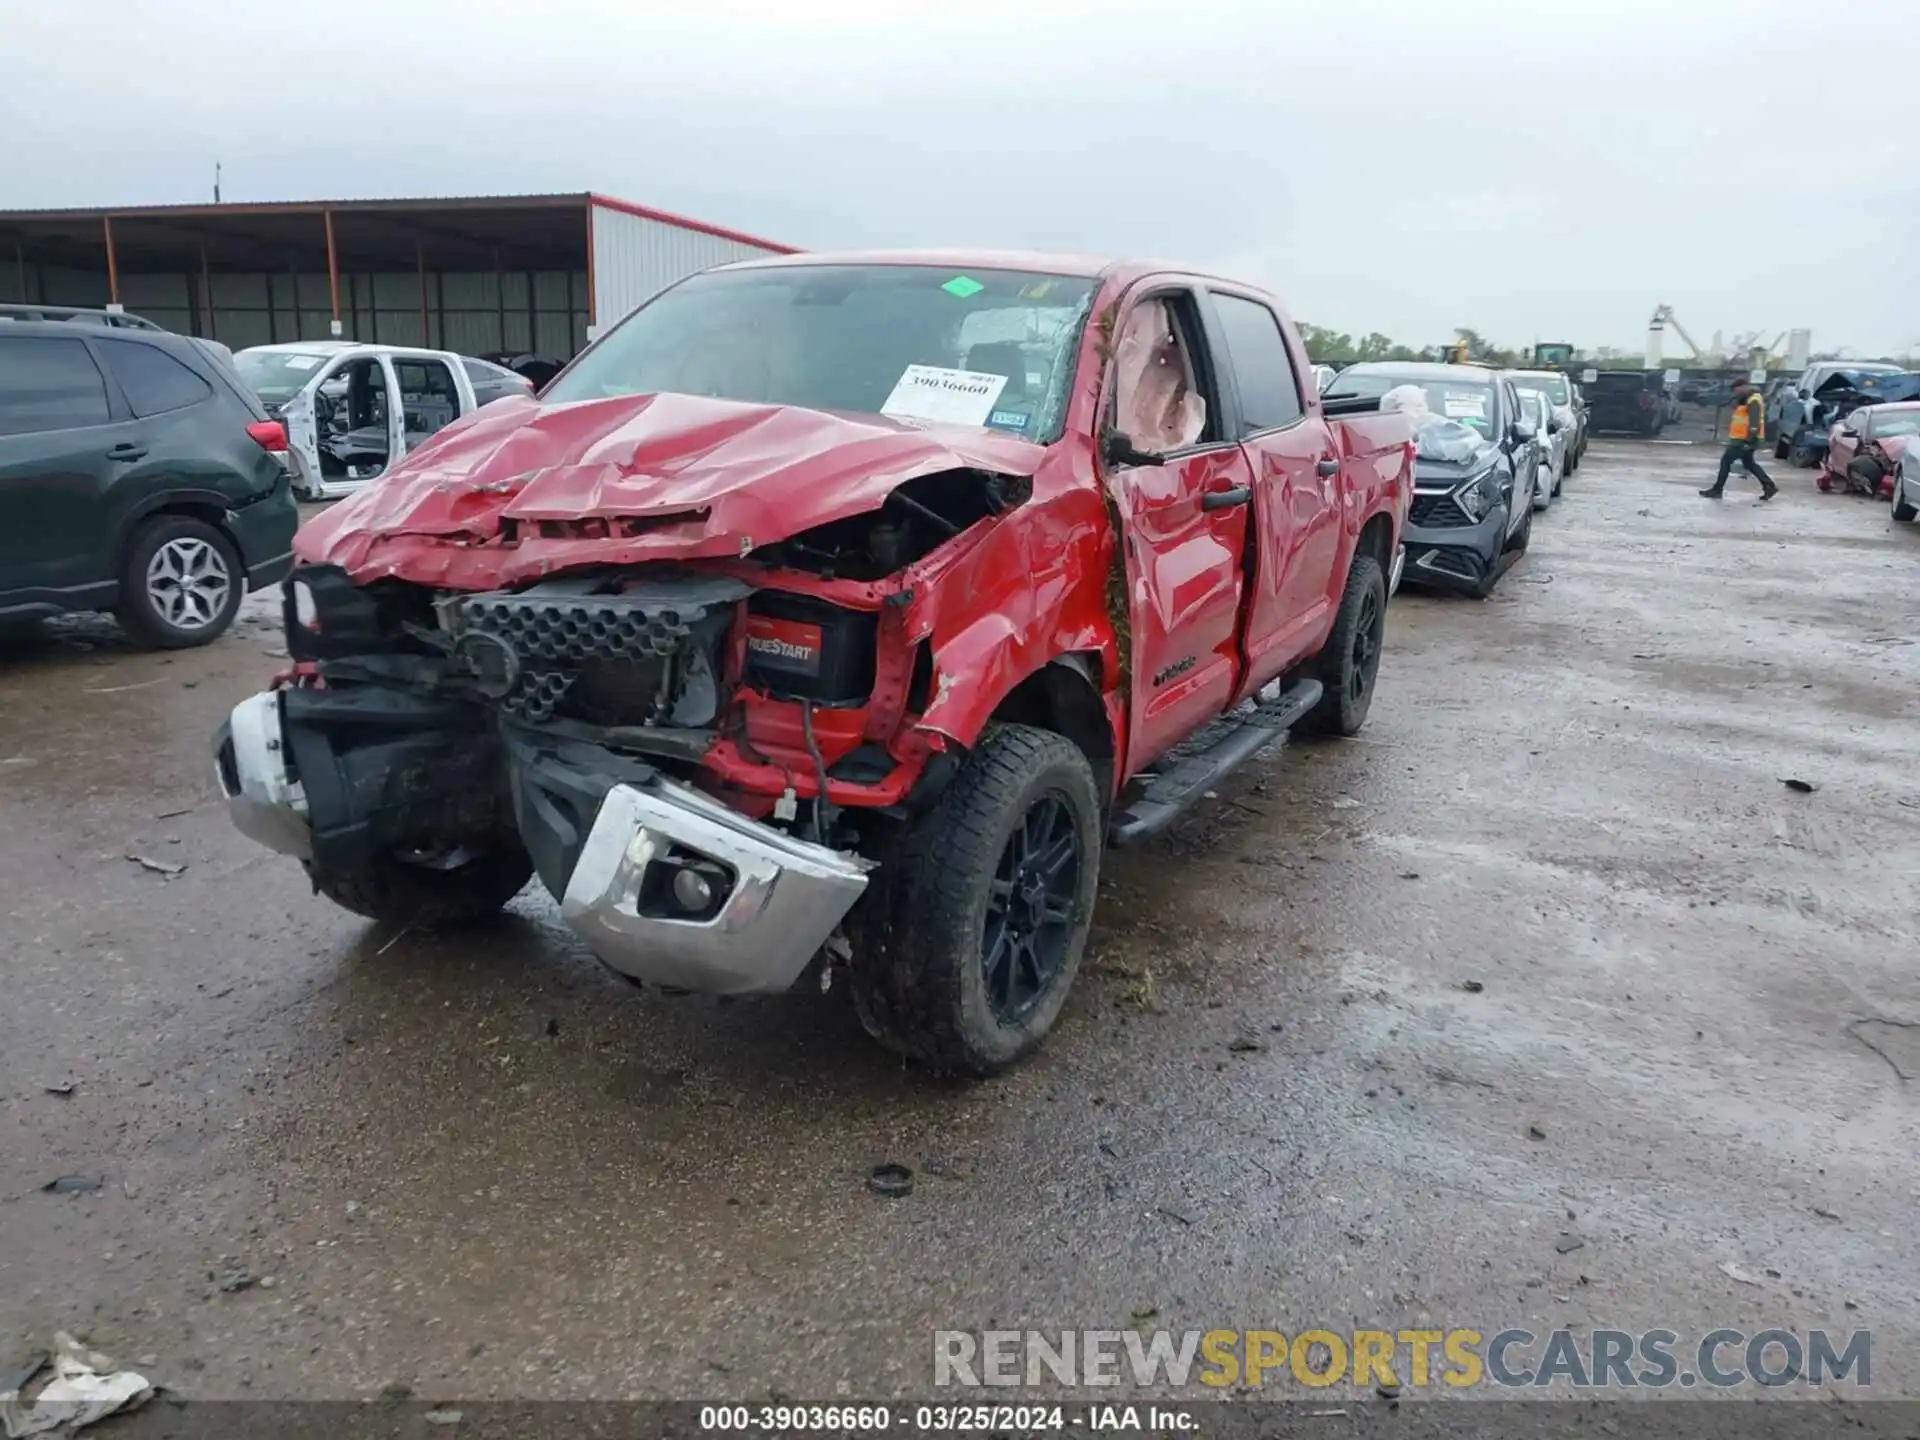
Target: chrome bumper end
775	899
250	759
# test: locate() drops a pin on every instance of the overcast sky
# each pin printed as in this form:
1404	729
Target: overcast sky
1539	171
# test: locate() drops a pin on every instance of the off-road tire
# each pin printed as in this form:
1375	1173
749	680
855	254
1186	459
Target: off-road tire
135	608
917	977
1340	711
398	893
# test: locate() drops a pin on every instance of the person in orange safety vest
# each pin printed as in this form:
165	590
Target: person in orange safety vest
1746	428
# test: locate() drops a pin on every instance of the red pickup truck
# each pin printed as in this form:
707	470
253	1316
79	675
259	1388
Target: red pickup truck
824	621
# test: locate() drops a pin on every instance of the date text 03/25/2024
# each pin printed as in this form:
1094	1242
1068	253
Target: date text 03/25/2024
942	1419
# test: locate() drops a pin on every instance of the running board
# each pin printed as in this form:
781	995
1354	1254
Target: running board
1195	767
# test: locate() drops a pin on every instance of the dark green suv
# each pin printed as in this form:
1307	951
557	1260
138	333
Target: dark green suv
136	475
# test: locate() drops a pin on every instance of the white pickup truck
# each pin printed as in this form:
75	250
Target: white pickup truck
352	411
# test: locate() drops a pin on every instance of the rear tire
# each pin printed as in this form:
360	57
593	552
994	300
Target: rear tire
1903	509
1349	663
397	892
181	584
969	944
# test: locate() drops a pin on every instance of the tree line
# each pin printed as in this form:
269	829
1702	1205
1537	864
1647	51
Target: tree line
1337	347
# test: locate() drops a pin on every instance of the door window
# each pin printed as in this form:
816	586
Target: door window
49	384
428	397
1269	389
1158	404
153	380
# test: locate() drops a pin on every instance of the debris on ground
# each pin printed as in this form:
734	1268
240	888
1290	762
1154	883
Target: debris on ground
1472	987
1895	1041
1246	1045
74	1185
1567	1244
891	1180
1534	1132
61	1088
232	1282
158	867
86	1387
442	1417
1734	1272
1794	783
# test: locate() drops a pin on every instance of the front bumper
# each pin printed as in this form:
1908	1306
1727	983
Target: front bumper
782	902
1455	557
775	900
250	758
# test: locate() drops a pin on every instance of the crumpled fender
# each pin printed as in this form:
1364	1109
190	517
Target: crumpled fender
1032	590
627	480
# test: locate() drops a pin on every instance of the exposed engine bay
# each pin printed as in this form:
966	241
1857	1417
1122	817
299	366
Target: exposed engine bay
466	719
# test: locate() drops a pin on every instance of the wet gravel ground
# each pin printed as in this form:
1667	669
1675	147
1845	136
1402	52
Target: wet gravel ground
1551	953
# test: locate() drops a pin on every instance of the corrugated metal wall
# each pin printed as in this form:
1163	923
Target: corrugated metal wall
635	258
541	312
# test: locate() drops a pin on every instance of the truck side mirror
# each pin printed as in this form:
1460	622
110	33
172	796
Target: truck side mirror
1119	452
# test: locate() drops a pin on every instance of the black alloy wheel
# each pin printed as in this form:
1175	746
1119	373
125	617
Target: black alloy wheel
1029	927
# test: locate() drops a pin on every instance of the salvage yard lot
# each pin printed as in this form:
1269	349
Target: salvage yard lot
1557	888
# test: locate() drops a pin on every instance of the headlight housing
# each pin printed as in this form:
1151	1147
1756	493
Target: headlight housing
1477	493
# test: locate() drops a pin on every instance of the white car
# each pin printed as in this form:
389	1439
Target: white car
353	411
1906	485
1553	435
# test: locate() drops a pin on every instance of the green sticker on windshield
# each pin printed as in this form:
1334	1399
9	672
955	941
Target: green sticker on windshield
965	286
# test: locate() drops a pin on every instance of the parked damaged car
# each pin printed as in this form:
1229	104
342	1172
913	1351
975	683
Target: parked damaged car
1478	458
1807	409
1864	449
824	621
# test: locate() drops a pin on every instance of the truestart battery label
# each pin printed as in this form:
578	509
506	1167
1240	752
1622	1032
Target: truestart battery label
792	646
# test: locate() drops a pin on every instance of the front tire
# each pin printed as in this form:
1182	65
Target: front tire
1903	509
181	585
1349	663
1518	541
400	892
970	946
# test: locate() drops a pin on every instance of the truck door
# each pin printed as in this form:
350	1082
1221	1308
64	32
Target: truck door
1297	490
1182	486
430	398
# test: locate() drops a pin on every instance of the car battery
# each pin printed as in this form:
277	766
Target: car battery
810	650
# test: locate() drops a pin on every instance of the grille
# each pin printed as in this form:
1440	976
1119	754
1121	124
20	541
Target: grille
1437	512
622	656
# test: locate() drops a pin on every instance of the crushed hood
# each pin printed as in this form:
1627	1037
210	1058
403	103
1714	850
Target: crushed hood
677	476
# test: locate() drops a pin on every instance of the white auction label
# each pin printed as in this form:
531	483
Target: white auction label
947	397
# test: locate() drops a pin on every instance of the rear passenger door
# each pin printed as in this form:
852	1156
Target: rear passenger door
64	439
1297	512
429	399
182	450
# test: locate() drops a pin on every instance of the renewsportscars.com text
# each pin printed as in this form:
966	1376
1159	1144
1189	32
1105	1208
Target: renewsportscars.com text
1455	1358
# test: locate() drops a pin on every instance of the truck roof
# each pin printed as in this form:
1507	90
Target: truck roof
1046	262
334	347
1423	369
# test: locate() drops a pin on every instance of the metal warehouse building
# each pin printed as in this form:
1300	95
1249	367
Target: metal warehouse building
521	273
